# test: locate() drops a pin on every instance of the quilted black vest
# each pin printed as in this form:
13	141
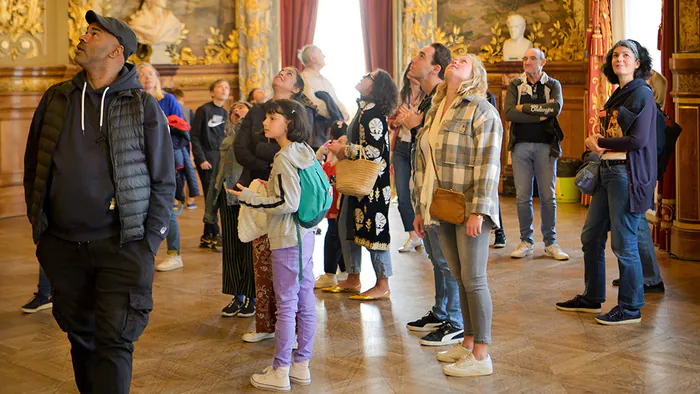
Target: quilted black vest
132	182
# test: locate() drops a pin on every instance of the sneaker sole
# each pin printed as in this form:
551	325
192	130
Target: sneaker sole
427	328
445	359
166	269
585	310
555	258
441	343
464	375
303	382
499	246
530	253
257	340
409	250
618	323
264	386
246	314
38	309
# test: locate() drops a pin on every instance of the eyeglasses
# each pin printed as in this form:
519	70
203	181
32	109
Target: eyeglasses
369	75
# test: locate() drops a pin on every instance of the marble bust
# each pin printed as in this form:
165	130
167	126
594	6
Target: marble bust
515	47
156	26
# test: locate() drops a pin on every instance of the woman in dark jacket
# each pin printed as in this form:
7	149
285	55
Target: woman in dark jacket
255	153
365	221
627	150
237	258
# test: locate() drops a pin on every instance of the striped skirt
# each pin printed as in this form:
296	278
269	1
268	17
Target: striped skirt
237	272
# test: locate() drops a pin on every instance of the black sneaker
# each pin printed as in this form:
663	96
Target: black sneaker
657	288
248	309
427	323
579	304
447	334
500	241
618	316
233	308
208	243
36	304
217	241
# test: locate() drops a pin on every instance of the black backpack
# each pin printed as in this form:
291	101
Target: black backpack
667	132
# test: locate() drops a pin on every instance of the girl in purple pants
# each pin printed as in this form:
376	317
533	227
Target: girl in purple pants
286	122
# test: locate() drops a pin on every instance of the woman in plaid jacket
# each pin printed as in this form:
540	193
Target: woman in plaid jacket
463	134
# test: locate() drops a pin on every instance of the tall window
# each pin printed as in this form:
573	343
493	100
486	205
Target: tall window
339	35
638	20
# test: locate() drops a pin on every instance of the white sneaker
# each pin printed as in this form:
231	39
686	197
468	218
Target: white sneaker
172	262
326	280
523	249
469	366
300	373
272	379
253	336
555	251
411	245
454	354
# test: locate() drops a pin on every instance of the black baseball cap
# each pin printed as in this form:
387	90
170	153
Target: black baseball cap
119	29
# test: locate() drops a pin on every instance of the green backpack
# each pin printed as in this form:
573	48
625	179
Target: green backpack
316	199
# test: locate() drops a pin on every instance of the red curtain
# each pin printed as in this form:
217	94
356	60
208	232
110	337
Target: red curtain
378	34
298	27
598	43
666	200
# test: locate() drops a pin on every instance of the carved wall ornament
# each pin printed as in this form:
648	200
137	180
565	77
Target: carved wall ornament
688	83
689	27
217	51
20	27
77	23
418	28
253	33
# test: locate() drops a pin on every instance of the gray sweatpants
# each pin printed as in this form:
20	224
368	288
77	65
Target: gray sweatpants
467	258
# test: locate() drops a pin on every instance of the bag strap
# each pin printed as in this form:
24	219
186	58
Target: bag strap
301	255
434	166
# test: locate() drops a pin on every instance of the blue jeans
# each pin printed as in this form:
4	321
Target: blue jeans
446	289
352	252
173	238
44	286
647	253
610	210
532	161
402	179
183	160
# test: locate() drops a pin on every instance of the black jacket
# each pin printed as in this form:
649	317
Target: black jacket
253	150
138	155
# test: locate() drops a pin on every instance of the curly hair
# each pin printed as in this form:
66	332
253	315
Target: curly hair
640	54
298	129
384	94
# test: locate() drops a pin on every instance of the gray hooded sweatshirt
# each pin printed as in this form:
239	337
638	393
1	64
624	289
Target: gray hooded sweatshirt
284	193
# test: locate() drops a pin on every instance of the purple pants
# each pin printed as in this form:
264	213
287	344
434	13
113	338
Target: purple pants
295	304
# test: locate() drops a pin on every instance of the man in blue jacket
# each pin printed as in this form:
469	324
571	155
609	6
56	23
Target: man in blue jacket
99	184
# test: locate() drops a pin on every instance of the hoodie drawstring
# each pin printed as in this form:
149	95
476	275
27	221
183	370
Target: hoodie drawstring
82	108
102	106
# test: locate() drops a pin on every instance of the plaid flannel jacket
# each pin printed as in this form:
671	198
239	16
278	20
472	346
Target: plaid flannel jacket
467	157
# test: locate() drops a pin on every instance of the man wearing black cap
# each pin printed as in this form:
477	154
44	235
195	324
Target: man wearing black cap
99	185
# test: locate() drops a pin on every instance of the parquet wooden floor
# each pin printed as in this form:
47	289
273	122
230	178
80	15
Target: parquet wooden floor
365	347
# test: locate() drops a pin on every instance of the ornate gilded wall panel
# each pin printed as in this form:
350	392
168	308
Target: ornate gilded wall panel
689	18
76	22
21	28
254	18
417	28
556	26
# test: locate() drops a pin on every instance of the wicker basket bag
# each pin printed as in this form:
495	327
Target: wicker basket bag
356	177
